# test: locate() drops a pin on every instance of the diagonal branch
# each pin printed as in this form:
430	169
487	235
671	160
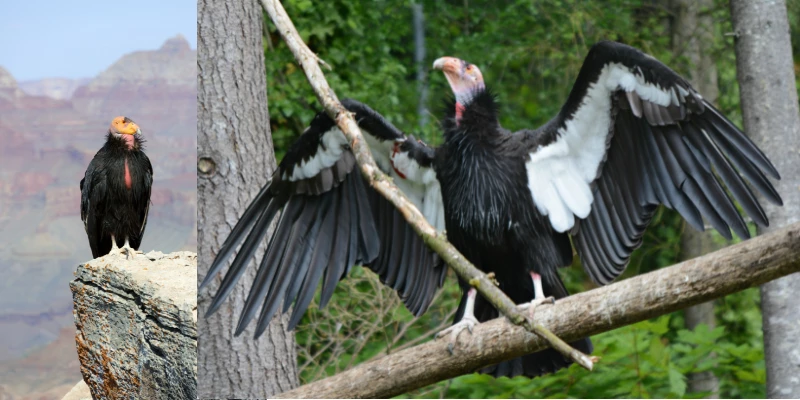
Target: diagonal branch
747	264
344	119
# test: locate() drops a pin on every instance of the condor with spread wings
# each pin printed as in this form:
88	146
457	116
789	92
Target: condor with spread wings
632	135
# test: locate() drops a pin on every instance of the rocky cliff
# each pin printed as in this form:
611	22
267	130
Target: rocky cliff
137	325
20	109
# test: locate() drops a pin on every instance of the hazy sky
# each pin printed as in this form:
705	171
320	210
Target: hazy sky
81	38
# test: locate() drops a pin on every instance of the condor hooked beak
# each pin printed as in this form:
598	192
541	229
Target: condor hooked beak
465	79
448	64
124	126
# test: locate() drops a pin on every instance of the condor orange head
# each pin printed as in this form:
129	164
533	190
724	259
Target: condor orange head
124	126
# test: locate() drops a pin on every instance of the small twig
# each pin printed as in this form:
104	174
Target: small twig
344	119
323	63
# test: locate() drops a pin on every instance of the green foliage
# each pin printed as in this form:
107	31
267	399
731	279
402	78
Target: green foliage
530	53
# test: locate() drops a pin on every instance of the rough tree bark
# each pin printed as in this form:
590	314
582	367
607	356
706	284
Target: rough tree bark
692	39
769	106
235	157
735	268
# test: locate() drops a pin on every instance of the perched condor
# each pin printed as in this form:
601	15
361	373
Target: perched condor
632	135
115	192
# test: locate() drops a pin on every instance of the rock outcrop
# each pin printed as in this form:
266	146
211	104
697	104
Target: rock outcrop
137	325
79	392
8	85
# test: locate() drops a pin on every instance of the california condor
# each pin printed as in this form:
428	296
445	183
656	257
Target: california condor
115	192
632	135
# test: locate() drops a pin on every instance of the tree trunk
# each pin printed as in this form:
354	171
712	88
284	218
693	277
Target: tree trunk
692	39
695	244
235	157
770	111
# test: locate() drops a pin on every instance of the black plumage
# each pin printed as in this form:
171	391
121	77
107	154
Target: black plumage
489	217
115	191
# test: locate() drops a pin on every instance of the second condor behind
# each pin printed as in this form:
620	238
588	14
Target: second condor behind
115	192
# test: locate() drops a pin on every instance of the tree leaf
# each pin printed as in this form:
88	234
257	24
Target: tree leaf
677	381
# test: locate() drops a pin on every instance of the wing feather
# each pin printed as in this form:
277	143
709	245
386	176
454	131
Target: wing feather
330	221
636	135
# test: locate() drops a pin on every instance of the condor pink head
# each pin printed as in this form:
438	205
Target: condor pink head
465	80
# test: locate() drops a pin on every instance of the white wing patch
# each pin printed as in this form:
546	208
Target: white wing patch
330	149
560	174
420	186
381	150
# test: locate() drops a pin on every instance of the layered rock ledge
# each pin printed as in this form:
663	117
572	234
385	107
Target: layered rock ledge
136	325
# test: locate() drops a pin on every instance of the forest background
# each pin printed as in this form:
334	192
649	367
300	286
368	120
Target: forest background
530	53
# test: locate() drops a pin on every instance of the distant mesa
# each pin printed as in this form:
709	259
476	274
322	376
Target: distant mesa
41	245
15	143
7	81
9	90
175	63
18	108
28	183
157	88
159	84
167	65
177	44
56	88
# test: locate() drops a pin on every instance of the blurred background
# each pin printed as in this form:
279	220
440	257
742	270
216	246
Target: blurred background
530	53
67	69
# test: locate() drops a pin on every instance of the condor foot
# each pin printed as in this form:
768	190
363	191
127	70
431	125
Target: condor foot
468	322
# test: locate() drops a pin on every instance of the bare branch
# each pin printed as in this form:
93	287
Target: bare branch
383	184
748	264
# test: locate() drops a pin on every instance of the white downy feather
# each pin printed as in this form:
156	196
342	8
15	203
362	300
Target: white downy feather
560	174
329	151
420	186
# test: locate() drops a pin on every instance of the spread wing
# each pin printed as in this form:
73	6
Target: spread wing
633	135
331	220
